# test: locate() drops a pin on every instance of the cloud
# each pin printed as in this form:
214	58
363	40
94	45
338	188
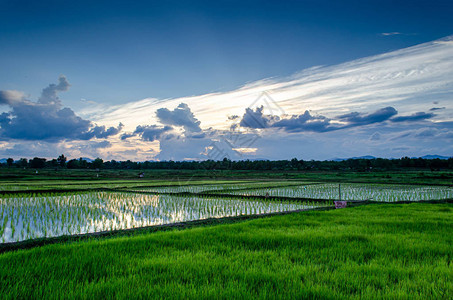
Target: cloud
46	119
125	136
101	132
375	137
414	117
180	116
255	118
12	97
434	133
391	33
49	94
381	115
436	108
182	149
311	123
151	132
426	132
198	136
305	122
101	144
246	150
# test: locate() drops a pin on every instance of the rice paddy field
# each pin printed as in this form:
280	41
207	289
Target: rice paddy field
269	242
25	217
354	191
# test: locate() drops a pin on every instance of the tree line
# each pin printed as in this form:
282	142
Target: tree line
360	164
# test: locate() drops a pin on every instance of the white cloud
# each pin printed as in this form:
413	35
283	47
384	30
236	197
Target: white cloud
391	33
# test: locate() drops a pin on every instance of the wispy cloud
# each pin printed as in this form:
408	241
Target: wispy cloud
414	117
391	33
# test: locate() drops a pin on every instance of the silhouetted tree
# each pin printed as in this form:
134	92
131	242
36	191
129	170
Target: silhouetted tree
98	163
73	164
23	162
9	162
37	163
83	163
61	161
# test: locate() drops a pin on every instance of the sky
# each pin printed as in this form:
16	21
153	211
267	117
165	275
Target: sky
194	80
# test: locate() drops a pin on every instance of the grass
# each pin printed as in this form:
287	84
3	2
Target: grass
17	175
374	251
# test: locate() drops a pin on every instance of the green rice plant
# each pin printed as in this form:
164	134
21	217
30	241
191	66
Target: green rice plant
40	215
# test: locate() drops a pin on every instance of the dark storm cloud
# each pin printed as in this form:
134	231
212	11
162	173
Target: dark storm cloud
414	117
46	119
180	116
100	132
125	136
305	122
358	119
436	108
151	132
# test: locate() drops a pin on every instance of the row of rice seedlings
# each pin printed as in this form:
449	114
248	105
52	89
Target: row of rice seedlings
214	188
356	192
25	217
13	187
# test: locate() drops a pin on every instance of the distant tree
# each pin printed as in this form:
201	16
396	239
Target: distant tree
98	163
61	160
37	163
53	163
9	162
23	162
73	164
83	164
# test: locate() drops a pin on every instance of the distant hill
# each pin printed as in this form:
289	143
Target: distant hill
87	159
372	157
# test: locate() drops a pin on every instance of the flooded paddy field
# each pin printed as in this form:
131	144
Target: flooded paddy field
355	192
24	217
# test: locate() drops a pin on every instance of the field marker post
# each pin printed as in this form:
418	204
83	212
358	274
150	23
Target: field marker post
339	191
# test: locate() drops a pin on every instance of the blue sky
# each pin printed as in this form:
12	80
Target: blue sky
117	53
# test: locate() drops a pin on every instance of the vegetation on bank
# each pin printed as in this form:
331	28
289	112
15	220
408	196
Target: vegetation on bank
373	251
352	164
55	179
